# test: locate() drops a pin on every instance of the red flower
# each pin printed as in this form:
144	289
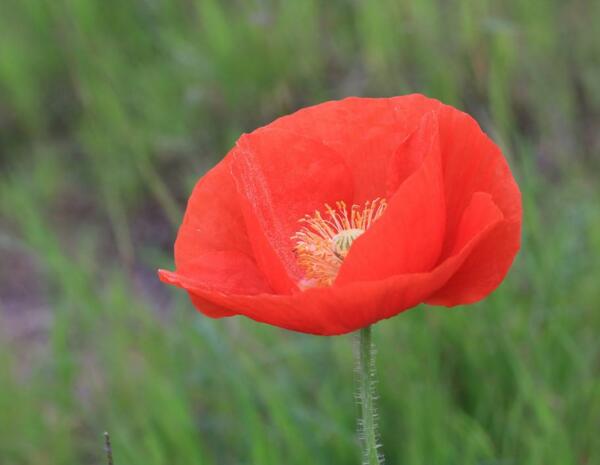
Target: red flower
348	212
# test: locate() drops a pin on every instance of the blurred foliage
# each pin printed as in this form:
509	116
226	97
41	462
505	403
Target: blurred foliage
111	110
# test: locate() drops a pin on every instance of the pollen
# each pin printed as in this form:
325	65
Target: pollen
324	240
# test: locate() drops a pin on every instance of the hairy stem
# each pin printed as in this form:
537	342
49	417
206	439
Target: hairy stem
366	396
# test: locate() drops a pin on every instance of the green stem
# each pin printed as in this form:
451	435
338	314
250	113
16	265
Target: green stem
366	395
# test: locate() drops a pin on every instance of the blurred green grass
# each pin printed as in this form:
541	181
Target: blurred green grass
109	112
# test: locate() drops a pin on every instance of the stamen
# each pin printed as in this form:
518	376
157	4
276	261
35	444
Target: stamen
323	243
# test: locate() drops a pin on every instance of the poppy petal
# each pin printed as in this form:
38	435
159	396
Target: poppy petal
366	132
208	308
473	163
408	238
281	177
472	281
212	244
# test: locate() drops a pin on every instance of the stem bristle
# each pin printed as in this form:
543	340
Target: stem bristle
366	395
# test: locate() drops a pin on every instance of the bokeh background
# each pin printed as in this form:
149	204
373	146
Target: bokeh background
110	110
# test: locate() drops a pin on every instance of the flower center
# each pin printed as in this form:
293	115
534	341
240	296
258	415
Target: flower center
324	241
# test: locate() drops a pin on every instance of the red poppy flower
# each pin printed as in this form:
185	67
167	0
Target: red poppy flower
348	212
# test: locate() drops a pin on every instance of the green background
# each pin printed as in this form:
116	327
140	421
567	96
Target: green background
111	110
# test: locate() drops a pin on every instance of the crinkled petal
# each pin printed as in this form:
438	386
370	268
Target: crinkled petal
281	177
366	132
473	163
212	245
408	238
